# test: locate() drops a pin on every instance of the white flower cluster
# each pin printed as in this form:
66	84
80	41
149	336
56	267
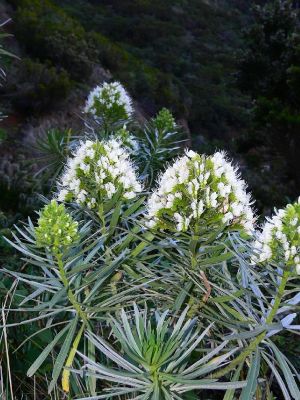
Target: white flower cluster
96	172
109	100
198	189
280	237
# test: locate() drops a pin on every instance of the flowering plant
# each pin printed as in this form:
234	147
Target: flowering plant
96	172
208	313
198	190
109	102
279	239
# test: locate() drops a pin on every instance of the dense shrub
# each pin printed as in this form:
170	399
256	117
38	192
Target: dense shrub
39	86
50	34
269	70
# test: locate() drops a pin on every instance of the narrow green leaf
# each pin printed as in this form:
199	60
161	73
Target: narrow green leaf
41	358
92	356
230	392
134	207
63	354
292	385
182	296
115	218
249	390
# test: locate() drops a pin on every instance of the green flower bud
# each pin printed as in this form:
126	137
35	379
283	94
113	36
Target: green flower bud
56	228
164	121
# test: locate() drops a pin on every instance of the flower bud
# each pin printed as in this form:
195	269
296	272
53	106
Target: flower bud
56	228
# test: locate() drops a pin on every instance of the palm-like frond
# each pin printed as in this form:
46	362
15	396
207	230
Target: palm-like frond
53	148
158	357
159	144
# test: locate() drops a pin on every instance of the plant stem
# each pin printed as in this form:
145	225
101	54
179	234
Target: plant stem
83	316
252	346
102	218
70	293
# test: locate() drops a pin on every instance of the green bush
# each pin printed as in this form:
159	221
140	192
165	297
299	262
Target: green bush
50	34
40	86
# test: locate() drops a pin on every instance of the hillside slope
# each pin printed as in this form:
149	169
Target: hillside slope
176	53
192	44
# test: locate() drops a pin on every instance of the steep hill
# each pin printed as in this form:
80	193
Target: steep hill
190	45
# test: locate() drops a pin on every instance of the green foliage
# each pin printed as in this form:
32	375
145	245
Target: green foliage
50	34
167	52
272	43
269	72
155	358
40	86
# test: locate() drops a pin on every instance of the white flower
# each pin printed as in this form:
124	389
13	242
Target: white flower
62	195
129	195
96	172
227	217
190	153
197	186
279	239
108	101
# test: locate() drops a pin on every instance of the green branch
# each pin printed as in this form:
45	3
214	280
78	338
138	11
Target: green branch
70	293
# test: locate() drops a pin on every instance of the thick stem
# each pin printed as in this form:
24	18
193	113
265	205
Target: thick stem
252	346
70	293
83	316
102	218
